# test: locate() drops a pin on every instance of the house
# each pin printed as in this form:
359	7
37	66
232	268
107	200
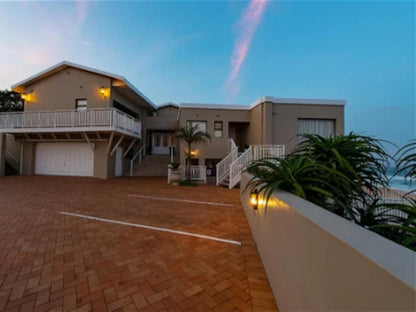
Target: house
80	121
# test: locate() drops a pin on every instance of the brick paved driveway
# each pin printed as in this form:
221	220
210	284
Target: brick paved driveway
50	261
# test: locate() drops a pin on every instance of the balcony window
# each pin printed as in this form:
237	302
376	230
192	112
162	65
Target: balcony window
218	129
202	125
81	104
322	127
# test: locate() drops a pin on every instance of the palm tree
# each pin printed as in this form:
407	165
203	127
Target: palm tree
191	135
406	162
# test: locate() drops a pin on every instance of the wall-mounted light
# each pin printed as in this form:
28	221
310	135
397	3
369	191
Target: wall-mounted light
193	153
254	199
26	97
103	92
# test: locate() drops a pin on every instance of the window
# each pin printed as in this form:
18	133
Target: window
322	127
218	129
202	125
81	104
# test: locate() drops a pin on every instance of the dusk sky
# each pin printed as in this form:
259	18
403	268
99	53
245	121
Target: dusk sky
231	52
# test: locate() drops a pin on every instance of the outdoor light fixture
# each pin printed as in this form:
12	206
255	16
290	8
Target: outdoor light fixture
103	92
25	97
254	198
193	153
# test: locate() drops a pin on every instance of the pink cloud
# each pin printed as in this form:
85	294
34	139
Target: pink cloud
246	28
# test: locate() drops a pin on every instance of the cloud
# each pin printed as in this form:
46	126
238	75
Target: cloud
246	28
46	34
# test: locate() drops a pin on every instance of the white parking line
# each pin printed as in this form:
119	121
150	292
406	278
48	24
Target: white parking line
228	241
183	200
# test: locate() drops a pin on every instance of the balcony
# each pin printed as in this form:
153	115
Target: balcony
92	120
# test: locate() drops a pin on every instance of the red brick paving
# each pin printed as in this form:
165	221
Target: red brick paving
52	262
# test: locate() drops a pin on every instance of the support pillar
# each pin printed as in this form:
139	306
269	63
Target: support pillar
2	154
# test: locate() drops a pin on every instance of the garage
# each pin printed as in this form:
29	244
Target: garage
65	159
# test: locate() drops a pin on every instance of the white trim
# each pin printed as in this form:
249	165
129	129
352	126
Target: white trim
214	106
263	100
183	200
297	101
64	64
168	104
222	240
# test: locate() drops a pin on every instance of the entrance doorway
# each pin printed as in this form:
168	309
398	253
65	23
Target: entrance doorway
161	142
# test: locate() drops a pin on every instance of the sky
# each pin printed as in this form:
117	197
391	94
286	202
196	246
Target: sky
231	52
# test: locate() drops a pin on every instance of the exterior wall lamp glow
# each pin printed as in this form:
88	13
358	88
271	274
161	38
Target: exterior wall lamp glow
103	92
254	199
26	97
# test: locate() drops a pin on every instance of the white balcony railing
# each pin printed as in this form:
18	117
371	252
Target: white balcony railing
94	119
197	173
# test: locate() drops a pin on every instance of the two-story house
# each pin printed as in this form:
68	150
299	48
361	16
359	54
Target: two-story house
85	122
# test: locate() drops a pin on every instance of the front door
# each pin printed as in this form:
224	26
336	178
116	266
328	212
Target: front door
161	141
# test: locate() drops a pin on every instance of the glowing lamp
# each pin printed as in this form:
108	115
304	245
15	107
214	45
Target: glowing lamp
254	199
23	96
103	92
193	153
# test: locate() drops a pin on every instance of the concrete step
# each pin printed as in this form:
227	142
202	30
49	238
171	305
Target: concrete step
152	172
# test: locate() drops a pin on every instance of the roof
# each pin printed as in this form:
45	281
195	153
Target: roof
168	104
263	100
64	64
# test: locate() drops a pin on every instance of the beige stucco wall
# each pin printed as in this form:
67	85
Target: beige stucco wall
60	90
166	119
318	261
101	161
127	102
29	154
104	165
218	148
285	120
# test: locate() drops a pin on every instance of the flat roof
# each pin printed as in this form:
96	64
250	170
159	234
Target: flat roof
263	100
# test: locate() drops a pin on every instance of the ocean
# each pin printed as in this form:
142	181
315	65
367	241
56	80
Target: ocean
399	183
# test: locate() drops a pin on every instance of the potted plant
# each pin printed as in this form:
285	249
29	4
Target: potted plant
175	173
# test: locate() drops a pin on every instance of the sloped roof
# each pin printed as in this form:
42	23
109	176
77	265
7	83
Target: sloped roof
64	64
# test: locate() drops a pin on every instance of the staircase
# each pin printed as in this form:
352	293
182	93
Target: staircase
12	155
229	169
152	166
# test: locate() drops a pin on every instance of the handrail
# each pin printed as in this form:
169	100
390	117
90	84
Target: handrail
237	167
15	158
254	153
140	153
99	117
223	167
198	173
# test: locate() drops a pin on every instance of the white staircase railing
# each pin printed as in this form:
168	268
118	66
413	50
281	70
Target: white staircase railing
254	153
237	167
13	160
223	167
140	153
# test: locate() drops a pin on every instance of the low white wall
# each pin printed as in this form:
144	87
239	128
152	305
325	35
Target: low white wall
316	260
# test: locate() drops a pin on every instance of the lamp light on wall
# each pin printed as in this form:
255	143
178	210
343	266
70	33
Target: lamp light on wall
193	153
254	199
26	97
103	92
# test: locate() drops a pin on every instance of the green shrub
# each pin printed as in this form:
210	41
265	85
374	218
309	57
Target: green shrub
187	183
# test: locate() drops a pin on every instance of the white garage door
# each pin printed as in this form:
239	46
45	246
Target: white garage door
66	159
